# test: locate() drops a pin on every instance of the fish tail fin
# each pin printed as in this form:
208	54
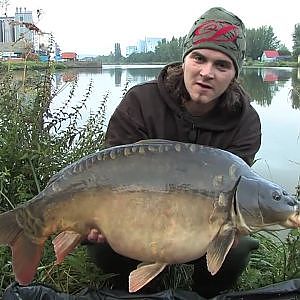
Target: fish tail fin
9	228
25	253
26	258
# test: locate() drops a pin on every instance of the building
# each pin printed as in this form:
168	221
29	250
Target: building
130	50
7	31
14	32
143	46
269	55
21	16
69	56
151	43
13	28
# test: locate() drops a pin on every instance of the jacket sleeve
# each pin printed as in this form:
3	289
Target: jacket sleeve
247	141
126	125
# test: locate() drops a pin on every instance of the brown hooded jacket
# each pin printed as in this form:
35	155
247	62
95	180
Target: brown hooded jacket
148	111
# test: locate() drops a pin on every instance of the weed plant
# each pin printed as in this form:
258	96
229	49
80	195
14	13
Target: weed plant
35	143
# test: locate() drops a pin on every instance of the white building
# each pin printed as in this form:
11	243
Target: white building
130	50
143	46
151	43
23	15
11	28
14	35
7	31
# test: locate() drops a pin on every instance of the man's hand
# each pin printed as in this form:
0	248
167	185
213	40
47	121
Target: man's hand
95	236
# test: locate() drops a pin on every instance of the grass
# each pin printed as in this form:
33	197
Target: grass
276	260
75	272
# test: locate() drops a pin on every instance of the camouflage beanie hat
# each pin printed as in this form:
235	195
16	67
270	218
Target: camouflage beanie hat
218	29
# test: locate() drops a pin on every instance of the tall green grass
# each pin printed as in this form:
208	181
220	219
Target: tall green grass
36	141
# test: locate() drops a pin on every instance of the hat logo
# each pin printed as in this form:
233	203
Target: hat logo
215	31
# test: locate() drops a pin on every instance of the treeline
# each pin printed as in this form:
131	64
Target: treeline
165	51
257	39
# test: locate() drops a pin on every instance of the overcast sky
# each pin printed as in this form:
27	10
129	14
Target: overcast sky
93	26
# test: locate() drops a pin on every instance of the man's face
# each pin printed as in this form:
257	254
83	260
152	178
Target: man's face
207	74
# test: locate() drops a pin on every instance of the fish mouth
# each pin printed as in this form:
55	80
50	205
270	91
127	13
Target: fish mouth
294	221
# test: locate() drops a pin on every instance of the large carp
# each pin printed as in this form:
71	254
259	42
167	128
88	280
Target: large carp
157	201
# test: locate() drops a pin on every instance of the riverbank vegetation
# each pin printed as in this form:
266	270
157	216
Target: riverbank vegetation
35	65
37	140
8	65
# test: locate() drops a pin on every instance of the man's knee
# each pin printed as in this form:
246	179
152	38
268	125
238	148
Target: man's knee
110	262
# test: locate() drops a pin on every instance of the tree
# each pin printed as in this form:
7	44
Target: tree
283	50
270	40
169	51
260	39
296	40
252	42
118	54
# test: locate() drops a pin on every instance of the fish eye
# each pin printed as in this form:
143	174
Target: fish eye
276	196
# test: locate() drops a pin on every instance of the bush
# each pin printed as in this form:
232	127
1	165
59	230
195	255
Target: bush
35	143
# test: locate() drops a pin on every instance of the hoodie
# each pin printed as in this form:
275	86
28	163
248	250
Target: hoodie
148	111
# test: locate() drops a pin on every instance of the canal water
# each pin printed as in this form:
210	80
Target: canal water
270	88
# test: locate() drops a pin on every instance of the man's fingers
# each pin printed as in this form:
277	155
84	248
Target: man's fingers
95	236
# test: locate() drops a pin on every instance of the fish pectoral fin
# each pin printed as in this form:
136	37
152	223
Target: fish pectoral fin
143	274
219	247
64	243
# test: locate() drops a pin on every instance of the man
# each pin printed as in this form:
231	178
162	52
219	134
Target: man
198	101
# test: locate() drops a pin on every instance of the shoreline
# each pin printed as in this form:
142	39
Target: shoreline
33	65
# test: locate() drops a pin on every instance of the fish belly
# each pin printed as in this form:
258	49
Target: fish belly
157	226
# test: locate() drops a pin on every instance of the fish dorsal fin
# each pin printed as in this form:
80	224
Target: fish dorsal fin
154	141
64	243
143	274
219	247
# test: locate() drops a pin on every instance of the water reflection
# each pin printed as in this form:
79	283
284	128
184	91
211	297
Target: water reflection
270	89
120	74
263	83
295	91
69	76
275	93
